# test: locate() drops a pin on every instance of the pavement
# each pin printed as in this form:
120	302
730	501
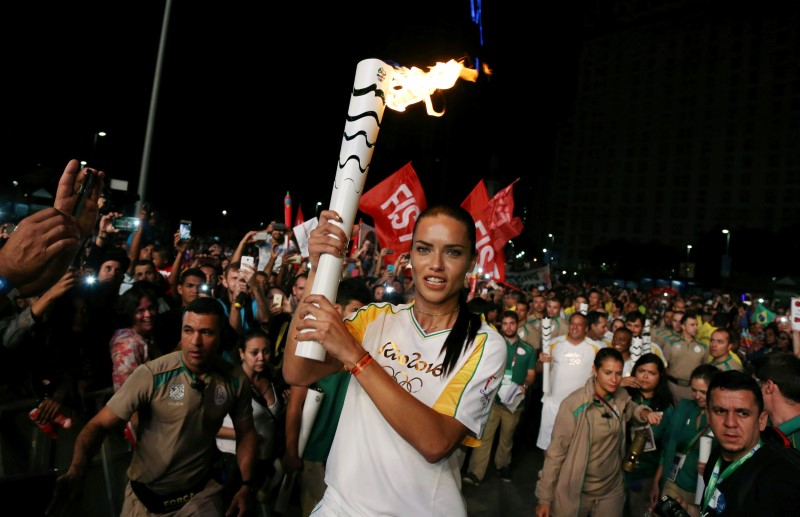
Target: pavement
494	496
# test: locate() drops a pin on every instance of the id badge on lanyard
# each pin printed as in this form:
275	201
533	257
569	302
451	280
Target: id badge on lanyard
507	375
677	465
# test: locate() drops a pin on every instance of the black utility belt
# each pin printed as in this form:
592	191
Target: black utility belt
164	503
679	382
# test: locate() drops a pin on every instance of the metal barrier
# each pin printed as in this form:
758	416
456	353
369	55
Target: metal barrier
47	454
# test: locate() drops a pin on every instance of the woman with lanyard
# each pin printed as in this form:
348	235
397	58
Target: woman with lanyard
423	375
676	475
647	386
582	471
753	471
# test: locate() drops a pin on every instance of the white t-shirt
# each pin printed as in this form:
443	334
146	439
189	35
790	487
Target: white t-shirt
570	367
371	469
265	427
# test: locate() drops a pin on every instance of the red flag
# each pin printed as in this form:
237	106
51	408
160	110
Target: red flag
503	226
394	205
495	226
300	219
476	203
477	200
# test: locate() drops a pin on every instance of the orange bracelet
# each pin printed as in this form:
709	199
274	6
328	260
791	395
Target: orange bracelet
362	363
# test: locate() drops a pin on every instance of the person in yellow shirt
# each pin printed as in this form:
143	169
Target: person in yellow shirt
709	325
580	305
720	354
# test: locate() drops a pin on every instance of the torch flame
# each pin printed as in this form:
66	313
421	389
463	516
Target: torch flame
411	85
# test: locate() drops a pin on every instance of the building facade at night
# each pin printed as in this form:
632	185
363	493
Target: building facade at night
686	120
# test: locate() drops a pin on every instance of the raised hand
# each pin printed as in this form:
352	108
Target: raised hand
67	196
40	251
327	237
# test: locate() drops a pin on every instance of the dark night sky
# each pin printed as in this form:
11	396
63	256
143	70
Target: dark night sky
255	98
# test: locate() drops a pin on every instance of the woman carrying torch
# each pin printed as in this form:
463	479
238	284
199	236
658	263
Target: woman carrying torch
423	376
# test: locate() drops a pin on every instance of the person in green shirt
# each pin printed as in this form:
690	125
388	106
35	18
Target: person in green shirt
647	386
778	375
503	420
676	475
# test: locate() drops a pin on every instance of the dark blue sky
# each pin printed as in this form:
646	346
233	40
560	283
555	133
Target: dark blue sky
255	98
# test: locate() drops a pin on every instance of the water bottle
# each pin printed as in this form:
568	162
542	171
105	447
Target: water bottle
48	428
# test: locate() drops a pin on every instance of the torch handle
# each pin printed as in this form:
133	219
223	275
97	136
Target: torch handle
326	283
705	452
647	338
547	331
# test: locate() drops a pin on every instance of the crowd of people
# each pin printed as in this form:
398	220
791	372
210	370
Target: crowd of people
195	341
606	357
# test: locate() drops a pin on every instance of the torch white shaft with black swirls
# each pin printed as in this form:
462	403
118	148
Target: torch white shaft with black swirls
647	338
636	349
364	115
547	332
641	345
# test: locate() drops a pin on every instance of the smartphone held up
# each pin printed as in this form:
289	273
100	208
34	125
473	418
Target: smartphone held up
185	230
126	223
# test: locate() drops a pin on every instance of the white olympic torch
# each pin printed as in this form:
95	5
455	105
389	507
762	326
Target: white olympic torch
647	338
367	104
547	331
705	452
636	349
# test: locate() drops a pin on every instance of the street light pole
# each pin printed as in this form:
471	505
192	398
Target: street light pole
727	241
725	268
688	261
100	134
